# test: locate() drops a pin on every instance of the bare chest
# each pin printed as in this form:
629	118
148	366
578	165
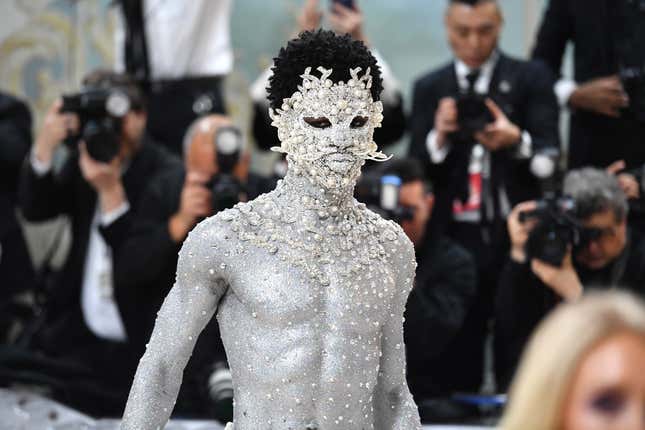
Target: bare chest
312	269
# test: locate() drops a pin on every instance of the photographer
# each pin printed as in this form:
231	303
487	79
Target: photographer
607	93
476	125
16	271
444	289
599	251
215	176
98	187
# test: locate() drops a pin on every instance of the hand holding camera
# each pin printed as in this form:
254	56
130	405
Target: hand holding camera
563	280
104	177
499	134
539	231
347	18
57	126
195	203
445	119
604	96
309	17
519	231
627	182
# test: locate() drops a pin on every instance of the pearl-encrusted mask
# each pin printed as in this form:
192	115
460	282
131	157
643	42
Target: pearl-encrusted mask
327	129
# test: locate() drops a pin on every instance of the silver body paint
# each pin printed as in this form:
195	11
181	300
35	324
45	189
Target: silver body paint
308	285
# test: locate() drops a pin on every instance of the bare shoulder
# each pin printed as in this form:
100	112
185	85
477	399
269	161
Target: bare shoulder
213	231
207	245
394	240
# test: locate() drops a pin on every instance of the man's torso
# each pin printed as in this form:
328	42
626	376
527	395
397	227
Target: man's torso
302	319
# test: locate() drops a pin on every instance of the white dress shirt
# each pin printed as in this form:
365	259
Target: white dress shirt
184	39
563	90
100	311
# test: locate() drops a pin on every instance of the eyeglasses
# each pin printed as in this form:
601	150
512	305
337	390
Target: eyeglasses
595	234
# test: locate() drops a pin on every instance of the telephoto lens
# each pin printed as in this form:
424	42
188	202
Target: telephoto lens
220	391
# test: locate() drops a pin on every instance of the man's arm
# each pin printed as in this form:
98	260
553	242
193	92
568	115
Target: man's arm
187	309
437	306
15	136
422	118
149	246
394	407
553	35
521	303
41	194
542	111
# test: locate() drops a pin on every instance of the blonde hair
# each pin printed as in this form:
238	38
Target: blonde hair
550	361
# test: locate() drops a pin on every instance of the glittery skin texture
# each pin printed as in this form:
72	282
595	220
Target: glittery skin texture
309	287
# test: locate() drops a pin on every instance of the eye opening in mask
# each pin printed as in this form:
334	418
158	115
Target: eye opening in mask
358	122
320	122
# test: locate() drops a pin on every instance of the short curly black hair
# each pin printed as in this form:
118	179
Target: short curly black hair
320	48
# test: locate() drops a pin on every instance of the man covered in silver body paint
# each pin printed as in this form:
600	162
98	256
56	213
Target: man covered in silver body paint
308	285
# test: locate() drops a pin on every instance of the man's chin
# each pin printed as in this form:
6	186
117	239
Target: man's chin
594	263
342	167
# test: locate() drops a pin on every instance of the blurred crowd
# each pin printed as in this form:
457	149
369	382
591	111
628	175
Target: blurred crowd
507	224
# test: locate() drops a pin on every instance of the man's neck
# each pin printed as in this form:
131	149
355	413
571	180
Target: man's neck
336	201
486	67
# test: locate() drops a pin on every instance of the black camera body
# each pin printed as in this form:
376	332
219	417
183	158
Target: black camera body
472	115
100	112
226	188
381	195
556	231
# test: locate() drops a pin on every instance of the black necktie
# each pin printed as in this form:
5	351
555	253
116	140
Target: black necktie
136	51
472	78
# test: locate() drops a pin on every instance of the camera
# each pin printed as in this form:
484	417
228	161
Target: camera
226	188
472	115
100	112
220	392
555	232
381	194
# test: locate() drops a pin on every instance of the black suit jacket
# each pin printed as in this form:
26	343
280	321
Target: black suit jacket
595	140
444	290
523	301
16	272
43	198
524	92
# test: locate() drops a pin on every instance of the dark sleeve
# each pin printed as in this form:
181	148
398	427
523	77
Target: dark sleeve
265	135
393	124
44	197
437	308
15	135
553	35
542	110
148	248
118	231
522	301
421	121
